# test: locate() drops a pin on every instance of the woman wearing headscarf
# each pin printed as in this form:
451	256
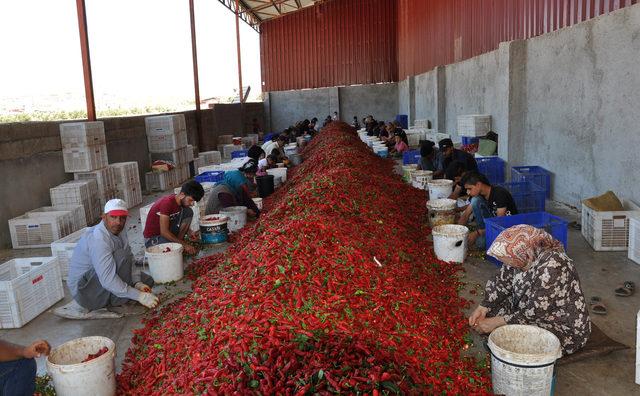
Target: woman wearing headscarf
256	153
234	191
537	285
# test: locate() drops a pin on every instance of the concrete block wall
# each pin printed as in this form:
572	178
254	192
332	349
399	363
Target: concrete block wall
31	153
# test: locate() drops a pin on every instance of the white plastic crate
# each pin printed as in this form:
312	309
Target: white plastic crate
125	174
78	192
28	287
198	162
106	180
421	123
211	157
178	157
171	123
82	134
161	181
183	173
85	159
474	124
227	149
634	239
163	142
78	218
190	153
413	139
62	249
607	231
39	230
131	194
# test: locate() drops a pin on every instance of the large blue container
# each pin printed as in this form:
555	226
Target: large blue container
529	197
403	119
492	168
535	174
210	177
239	153
469	140
554	225
411	157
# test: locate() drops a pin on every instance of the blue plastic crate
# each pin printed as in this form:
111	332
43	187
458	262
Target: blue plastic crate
492	168
529	197
535	174
554	225
239	153
469	140
411	157
210	177
403	119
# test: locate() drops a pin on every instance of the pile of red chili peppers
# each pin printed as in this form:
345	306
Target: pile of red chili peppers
334	290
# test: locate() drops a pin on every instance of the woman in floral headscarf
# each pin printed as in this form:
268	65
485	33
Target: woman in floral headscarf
537	285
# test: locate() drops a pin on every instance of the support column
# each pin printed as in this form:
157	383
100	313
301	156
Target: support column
196	81
86	60
441	101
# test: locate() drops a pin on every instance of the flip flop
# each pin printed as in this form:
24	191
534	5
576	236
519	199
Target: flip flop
597	307
626	289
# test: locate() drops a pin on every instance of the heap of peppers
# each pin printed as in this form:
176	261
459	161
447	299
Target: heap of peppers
334	290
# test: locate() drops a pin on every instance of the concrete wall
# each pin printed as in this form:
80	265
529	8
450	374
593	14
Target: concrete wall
31	157
426	100
379	100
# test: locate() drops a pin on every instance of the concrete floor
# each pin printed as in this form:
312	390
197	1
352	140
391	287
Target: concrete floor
599	272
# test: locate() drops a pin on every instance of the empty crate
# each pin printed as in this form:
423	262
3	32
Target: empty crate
78	192
492	168
535	174
161	181
474	124
634	239
77	214
62	249
553	225
125	173
40	229
179	156
105	178
28	287
172	123
211	157
411	157
528	197
82	134
606	231
84	159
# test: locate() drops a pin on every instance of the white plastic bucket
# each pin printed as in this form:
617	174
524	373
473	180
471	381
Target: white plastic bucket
420	179
450	242
165	266
282	172
522	360
381	150
440	188
277	181
407	170
290	149
237	217
441	211
213	229
71	377
258	202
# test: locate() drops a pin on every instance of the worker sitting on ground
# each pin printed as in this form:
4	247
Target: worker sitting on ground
450	154
267	163
427	156
276	144
537	285
400	146
256	152
170	217
455	171
101	270
18	367
233	191
486	201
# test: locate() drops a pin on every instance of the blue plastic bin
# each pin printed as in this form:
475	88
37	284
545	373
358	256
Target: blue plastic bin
411	157
529	197
492	168
403	119
239	153
535	174
554	225
466	140
210	177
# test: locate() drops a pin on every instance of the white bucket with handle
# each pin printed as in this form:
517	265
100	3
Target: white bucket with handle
407	171
450	242
165	262
237	217
281	172
441	211
440	188
420	179
96	377
522	360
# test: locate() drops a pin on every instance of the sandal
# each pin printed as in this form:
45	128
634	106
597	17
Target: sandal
597	306
626	289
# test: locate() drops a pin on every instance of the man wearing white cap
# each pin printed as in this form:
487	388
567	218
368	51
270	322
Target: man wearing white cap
100	271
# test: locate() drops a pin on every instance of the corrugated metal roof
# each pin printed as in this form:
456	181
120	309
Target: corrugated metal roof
254	12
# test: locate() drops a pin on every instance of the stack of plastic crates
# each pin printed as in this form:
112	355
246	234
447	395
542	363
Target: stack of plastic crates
535	174
529	197
492	168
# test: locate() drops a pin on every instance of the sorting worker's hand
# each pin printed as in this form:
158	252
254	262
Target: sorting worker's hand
36	349
149	300
478	315
142	287
190	249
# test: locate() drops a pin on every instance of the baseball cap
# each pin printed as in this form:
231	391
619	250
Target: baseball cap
116	207
445	143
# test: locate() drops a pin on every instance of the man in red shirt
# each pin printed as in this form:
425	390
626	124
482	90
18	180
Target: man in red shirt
170	217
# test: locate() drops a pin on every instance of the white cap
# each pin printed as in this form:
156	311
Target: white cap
116	207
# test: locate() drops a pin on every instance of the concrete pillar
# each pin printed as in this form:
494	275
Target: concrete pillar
334	102
441	100
267	113
411	112
511	141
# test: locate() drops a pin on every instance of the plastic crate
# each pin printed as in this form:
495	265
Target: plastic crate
466	140
106	180
403	120
85	159
554	225
492	168
608	231
229	149
39	230
535	174
634	239
161	181
474	124
28	287
79	220
166	142
190	153
239	153
528	197
78	192
177	157
82	134
211	177
131	194
211	157
172	123
63	248
125	174
411	157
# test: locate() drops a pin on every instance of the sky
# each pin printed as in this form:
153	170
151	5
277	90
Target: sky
140	49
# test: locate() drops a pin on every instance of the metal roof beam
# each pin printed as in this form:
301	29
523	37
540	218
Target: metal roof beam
248	16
